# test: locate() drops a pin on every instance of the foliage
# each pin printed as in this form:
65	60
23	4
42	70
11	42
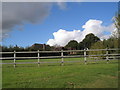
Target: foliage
88	41
80	46
72	45
97	45
111	42
34	47
11	48
117	24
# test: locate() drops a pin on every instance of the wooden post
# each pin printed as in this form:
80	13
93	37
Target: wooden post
62	57
38	58
14	59
85	59
107	58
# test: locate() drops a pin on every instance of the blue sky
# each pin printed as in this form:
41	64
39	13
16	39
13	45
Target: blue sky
72	17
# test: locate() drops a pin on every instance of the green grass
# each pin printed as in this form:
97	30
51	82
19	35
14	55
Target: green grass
42	60
71	75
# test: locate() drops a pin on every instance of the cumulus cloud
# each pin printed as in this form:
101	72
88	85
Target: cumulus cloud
62	37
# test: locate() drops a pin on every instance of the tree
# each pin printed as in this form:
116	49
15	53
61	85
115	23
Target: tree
47	48
89	40
97	45
5	48
117	24
80	46
72	45
111	42
37	46
16	48
117	21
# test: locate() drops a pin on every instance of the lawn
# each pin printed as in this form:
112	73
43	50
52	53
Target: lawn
70	75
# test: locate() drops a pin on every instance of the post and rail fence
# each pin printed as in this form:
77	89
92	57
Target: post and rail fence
107	55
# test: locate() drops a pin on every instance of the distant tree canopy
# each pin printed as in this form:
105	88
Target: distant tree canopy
88	41
97	45
37	47
72	45
80	46
41	47
11	48
34	47
111	43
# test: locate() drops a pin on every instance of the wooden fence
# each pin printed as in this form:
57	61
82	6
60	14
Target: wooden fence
107	55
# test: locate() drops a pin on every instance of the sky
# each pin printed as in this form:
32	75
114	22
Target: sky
24	24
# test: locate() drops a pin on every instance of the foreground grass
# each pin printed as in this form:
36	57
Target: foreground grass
72	75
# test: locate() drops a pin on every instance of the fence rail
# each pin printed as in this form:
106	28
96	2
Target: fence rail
107	55
61	51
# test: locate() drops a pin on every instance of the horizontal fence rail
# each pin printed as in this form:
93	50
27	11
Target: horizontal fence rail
47	57
107	55
61	51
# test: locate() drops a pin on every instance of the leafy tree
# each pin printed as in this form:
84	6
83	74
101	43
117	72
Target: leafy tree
16	48
47	48
111	43
80	46
89	40
37	46
72	45
41	47
117	24
5	48
97	45
28	48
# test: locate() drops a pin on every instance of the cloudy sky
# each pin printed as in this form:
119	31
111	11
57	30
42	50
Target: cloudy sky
24	24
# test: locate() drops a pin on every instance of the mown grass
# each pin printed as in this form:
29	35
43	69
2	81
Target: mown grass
43	60
71	75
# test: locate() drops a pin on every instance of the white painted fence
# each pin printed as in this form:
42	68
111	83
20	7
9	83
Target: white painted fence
107	55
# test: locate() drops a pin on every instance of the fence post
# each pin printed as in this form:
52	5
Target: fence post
38	58
85	59
62	57
14	58
107	58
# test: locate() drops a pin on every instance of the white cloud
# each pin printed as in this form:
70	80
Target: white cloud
62	37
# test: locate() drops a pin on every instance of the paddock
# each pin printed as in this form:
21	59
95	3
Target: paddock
53	75
63	71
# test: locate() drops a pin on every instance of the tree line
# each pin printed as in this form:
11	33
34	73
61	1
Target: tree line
90	41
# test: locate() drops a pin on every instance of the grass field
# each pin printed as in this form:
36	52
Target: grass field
52	75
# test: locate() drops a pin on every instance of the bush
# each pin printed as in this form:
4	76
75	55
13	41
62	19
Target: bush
97	45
